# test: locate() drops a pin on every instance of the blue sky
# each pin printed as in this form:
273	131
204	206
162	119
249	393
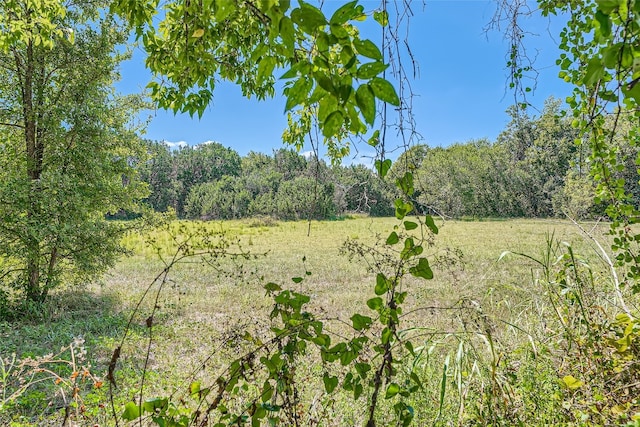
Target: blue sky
460	91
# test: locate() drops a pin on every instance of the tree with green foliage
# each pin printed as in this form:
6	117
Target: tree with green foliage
67	147
201	164
159	173
225	198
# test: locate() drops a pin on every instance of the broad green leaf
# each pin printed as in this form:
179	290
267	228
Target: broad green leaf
367	103
298	93
265	68
428	220
330	382
362	369
327	105
131	411
571	382
367	48
381	17
333	124
224	8
308	18
345	91
374	303
357	391
344	13
422	269
392	390
384	91
194	388
595	71
375	139
324	81
604	23
406	183
339	32
383	167
360	322
297	279
272	287
198	33
386	336
371	69
393	238
382	284
151	405
410	225
287	34
607	6
402	208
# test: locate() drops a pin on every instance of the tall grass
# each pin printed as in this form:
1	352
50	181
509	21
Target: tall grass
490	331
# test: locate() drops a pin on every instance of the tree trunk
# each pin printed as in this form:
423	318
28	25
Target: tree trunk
34	171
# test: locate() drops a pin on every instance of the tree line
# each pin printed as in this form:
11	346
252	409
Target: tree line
534	168
210	181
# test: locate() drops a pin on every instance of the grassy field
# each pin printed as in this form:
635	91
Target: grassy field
205	307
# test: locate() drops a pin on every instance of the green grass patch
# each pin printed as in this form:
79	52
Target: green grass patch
207	307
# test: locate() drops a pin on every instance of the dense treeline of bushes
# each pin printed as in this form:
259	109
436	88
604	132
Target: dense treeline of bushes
210	181
533	169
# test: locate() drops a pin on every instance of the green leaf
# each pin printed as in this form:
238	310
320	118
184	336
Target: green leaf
595	71
360	322
332	124
224	9
393	238
410	225
367	103
330	382
367	48
297	279
604	23
339	32
371	69
287	34
384	91
386	336
392	390
571	382
382	284
402	208
345	13
308	18
151	405
422	269
383	167
272	287
265	68
374	303
381	17
194	388
327	105
324	81
131	411
428	220
607	6
298	93
406	183
375	139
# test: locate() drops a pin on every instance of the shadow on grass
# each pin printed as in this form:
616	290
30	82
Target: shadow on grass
98	321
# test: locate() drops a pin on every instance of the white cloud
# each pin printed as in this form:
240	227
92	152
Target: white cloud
209	142
175	145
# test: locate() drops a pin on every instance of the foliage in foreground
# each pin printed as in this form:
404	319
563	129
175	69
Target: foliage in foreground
66	146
